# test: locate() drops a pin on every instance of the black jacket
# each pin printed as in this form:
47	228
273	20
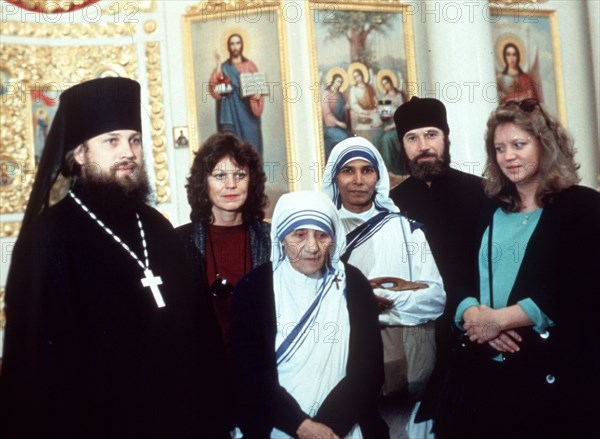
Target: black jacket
551	385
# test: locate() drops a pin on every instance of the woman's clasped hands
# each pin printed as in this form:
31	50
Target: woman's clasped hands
485	325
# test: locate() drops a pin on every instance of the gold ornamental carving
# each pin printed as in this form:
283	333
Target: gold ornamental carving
126	7
32	79
157	121
210	7
10	228
61	6
52	6
73	30
150	26
514	2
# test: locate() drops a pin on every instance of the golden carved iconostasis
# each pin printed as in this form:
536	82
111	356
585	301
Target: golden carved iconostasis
46	46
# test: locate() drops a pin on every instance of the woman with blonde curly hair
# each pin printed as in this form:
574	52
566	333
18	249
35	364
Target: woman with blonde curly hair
528	358
554	171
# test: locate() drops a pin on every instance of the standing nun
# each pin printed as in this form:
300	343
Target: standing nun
305	336
393	253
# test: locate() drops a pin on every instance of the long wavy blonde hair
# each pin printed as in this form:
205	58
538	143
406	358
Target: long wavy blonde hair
557	169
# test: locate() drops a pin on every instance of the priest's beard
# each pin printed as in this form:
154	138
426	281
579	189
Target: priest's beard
111	193
429	170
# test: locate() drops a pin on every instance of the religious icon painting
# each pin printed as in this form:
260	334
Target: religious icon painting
5	82
527	57
363	61
18	168
43	104
181	137
9	170
43	108
237	82
9	166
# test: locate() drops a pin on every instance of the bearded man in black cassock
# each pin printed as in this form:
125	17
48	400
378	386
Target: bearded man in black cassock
448	203
107	335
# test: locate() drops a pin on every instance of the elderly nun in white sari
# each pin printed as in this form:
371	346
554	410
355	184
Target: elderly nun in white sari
306	349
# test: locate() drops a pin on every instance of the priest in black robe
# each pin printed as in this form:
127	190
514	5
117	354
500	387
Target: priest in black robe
449	203
107	334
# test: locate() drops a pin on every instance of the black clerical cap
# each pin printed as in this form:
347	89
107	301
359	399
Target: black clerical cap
100	106
85	110
419	113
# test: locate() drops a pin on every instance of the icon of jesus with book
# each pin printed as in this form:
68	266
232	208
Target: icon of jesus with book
239	89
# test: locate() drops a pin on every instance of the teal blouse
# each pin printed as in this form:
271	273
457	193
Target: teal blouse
511	235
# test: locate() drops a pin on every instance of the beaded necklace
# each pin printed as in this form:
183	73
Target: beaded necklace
149	280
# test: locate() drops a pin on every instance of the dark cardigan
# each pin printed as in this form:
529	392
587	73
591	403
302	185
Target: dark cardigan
263	403
193	236
449	209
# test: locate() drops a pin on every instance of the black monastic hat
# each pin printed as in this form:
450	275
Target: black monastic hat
418	113
85	110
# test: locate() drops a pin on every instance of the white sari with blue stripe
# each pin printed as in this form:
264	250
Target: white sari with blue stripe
383	243
313	327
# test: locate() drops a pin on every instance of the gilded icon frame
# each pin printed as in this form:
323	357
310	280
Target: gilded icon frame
258	23
531	30
393	15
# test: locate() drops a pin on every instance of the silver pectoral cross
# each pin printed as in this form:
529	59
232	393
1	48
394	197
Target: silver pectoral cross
149	280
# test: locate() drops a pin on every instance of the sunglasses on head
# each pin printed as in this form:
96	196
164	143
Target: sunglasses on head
528	105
